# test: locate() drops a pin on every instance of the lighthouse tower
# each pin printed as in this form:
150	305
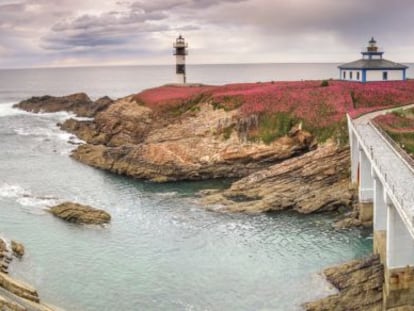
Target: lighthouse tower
180	52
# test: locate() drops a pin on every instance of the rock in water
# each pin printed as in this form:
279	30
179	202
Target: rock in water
80	214
360	287
17	248
79	103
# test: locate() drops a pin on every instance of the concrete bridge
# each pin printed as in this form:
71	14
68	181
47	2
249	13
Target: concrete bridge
385	179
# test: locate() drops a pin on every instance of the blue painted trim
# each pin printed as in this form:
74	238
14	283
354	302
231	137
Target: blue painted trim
364	75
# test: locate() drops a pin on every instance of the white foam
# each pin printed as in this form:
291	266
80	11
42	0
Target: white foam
11	191
48	133
26	198
7	109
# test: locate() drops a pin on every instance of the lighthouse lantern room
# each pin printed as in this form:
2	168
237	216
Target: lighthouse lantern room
180	51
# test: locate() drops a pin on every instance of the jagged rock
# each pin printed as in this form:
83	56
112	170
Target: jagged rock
80	104
360	287
80	214
18	288
17	248
314	182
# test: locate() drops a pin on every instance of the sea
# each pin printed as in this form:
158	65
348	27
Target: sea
162	250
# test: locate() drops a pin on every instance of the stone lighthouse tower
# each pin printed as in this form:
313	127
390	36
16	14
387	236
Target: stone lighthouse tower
180	52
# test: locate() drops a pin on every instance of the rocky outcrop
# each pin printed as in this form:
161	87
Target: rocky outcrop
80	104
80	214
359	283
17	248
18	288
314	182
16	295
129	139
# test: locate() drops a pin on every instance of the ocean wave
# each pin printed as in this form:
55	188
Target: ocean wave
25	197
46	133
7	109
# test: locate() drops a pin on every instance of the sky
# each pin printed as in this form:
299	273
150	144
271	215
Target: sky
55	33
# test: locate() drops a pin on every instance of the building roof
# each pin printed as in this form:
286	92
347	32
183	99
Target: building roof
372	64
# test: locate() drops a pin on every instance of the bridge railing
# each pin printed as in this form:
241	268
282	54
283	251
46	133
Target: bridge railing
370	151
397	148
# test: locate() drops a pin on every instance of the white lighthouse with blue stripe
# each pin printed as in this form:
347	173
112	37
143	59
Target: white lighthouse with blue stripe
372	67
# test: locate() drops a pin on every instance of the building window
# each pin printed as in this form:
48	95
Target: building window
358	75
350	75
344	75
385	75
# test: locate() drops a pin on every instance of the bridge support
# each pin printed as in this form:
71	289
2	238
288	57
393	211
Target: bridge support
380	220
354	156
400	244
399	267
366	181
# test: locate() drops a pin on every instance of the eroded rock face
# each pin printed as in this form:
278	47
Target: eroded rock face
18	288
360	287
314	182
80	214
80	104
129	139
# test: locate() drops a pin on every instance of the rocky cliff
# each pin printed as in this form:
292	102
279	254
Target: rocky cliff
200	142
315	181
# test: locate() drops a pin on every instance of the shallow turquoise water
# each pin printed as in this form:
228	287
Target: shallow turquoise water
162	251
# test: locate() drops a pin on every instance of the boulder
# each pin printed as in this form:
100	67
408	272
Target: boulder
17	248
80	214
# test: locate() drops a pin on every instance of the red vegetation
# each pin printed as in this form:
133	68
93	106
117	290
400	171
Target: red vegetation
306	99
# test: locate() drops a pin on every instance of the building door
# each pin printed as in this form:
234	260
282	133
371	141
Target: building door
385	76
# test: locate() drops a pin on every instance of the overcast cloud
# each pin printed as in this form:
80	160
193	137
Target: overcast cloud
37	33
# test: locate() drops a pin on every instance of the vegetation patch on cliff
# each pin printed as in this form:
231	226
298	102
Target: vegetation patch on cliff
321	107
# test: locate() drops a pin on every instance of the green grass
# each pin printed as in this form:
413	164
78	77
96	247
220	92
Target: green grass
228	103
189	105
227	131
405	140
273	126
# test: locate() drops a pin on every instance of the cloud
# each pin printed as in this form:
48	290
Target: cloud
111	28
34	32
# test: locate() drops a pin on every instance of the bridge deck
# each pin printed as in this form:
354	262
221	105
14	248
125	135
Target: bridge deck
391	168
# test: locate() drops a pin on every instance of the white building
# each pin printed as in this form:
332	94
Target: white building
372	67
